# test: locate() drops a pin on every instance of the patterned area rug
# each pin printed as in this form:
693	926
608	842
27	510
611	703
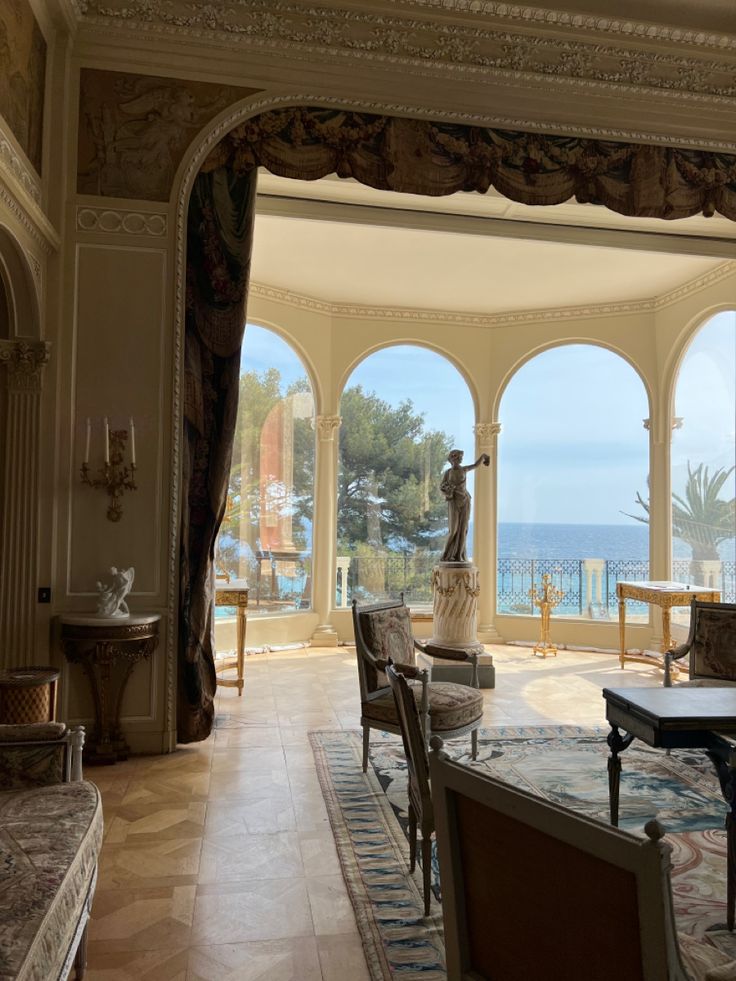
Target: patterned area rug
564	764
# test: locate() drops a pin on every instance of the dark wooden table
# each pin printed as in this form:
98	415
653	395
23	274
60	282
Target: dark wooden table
679	718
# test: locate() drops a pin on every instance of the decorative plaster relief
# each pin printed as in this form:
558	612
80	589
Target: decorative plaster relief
135	129
442	46
23	60
12	163
24	361
129	222
327	426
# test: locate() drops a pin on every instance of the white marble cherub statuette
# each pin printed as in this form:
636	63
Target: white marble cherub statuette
111	599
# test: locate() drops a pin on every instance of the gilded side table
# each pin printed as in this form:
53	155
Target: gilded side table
108	648
234	593
664	595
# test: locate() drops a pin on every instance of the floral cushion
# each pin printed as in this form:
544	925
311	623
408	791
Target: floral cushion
24	765
451	706
703	962
387	634
50	838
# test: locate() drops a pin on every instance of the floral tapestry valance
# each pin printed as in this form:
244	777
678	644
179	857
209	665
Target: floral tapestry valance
422	157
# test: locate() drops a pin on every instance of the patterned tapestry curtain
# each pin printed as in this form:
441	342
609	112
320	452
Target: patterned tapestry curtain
219	243
421	157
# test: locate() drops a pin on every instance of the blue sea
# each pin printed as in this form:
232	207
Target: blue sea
550	541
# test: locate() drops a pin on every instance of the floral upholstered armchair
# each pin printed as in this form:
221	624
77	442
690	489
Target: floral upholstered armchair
383	631
711	645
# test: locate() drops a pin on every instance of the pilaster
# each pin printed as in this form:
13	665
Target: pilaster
325	520
23	362
484	537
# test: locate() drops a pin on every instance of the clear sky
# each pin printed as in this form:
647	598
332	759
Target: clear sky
573	448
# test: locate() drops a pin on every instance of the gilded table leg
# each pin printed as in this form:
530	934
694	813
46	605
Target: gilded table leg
622	627
241	648
617	744
666	637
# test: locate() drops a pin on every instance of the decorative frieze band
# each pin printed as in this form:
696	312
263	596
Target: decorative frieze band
12	162
327	426
24	361
153	224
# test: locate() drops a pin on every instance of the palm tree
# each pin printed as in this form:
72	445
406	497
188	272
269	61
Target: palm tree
700	518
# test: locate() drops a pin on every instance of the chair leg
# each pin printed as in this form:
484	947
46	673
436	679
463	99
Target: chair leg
366	741
427	871
80	958
412	839
474	744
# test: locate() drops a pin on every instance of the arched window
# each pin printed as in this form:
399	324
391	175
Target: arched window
266	536
703	459
403	409
572	455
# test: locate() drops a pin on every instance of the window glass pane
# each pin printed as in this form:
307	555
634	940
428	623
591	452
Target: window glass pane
403	409
266	536
572	454
703	459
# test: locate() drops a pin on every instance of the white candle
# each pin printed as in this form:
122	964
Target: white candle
107	442
86	447
132	441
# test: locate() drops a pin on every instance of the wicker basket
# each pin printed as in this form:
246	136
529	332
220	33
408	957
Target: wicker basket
28	695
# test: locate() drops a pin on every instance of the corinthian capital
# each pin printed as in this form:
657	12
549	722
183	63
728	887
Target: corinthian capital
327	426
486	432
24	361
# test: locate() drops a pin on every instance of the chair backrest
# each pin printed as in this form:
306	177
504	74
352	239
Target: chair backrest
382	631
712	640
415	746
532	890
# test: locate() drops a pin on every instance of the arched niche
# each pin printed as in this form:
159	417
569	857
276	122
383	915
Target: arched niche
19	313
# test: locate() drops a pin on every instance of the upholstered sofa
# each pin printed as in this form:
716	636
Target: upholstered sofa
50	838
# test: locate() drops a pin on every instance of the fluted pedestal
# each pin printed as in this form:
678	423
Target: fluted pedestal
455	592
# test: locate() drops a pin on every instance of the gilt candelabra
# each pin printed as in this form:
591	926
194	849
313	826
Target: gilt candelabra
114	476
546	599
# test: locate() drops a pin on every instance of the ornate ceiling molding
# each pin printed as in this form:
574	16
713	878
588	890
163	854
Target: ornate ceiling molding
628	57
484	320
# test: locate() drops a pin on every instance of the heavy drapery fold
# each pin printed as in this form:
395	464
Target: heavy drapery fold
219	243
421	157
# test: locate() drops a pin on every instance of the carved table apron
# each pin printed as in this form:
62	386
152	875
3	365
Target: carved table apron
679	718
108	649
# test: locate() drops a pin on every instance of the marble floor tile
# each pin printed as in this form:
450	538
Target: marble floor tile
266	909
238	858
266	815
318	851
341	958
260	960
332	911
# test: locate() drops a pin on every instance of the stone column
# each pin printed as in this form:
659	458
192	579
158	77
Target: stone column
660	511
24	361
484	535
324	547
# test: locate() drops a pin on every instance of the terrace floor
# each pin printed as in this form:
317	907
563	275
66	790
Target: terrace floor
218	862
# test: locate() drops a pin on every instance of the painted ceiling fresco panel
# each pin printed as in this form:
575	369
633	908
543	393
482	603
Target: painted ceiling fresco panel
135	129
22	76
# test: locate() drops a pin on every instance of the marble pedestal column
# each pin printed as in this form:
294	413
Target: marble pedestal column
455	592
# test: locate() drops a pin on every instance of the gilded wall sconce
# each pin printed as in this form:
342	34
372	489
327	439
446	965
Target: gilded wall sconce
113	477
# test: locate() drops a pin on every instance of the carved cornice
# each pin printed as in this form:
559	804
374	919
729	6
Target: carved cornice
327	426
24	361
454	48
484	320
111	220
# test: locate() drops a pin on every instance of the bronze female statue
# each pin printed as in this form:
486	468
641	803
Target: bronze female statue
458	504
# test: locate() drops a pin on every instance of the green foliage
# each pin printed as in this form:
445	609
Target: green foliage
389	475
700	517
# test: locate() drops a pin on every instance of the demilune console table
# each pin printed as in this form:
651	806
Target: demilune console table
233	593
665	595
108	648
679	718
